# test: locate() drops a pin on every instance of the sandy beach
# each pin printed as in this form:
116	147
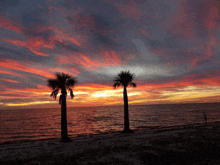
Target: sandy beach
191	144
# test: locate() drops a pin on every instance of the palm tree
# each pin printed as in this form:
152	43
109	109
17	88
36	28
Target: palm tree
62	82
124	79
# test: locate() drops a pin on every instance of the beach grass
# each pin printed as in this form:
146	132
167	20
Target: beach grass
195	144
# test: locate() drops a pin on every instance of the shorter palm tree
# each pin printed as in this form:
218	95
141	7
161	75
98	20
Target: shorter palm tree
62	82
124	79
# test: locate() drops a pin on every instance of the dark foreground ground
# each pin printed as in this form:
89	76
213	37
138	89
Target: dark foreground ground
185	145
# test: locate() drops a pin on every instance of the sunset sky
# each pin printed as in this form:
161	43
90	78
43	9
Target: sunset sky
172	47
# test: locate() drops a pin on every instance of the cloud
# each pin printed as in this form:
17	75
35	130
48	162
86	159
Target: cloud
170	45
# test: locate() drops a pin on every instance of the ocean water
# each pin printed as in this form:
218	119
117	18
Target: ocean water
32	124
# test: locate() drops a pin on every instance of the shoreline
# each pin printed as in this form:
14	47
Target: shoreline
140	128
186	144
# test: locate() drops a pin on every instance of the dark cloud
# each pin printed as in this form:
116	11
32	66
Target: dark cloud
32	32
33	19
97	28
86	77
4	4
18	55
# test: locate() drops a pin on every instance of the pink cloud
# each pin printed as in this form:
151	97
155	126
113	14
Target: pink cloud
130	9
210	45
62	35
213	14
9	24
183	23
209	13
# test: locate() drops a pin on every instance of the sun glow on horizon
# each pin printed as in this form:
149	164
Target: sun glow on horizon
29	103
106	95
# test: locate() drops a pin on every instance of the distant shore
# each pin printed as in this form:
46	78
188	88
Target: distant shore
186	144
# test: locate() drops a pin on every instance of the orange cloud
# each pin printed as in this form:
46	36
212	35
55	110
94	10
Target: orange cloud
93	87
191	80
9	80
107	58
32	46
14	65
11	73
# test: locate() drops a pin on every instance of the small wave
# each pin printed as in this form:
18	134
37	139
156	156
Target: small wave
100	118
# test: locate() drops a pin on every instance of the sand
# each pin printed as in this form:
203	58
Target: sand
196	144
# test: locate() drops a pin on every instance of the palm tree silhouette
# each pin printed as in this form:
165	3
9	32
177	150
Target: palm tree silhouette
62	82
124	79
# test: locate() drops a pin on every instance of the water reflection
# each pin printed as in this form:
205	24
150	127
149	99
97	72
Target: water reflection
45	123
80	120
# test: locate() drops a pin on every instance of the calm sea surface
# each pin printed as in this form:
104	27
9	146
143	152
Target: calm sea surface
30	124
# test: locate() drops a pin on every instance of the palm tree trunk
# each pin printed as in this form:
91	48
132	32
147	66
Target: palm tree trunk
64	134
126	116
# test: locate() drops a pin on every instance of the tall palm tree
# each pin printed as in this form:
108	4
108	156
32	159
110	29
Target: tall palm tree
124	79
62	82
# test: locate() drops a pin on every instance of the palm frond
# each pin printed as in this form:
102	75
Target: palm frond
133	84
60	77
116	84
71	82
124	78
53	83
62	81
71	93
66	76
54	94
